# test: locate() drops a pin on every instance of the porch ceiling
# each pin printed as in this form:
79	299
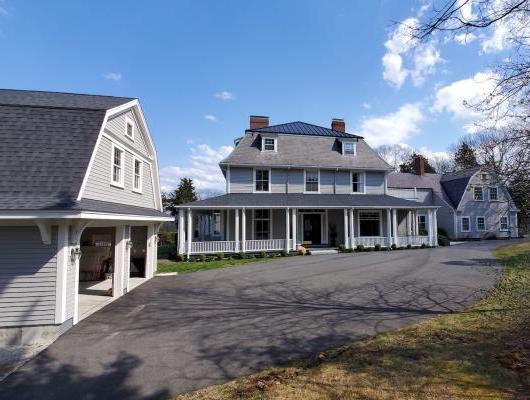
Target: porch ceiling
299	200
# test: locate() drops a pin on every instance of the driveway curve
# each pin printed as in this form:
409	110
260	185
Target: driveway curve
180	333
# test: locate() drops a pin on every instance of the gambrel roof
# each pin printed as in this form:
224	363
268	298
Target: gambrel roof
47	140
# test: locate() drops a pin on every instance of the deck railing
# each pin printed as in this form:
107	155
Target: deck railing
213	247
371	241
413	240
268	244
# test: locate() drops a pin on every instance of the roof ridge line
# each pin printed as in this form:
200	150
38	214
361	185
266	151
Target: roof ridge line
71	93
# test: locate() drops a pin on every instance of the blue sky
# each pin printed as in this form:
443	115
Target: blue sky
200	68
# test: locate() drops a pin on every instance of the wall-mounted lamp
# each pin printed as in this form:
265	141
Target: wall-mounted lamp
129	244
75	254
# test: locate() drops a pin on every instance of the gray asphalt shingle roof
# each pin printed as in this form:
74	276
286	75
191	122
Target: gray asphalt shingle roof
303	128
47	140
299	200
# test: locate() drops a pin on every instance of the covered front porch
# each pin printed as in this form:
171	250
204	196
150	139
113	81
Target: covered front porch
256	229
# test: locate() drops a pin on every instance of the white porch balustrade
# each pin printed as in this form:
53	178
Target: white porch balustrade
270	244
213	247
413	240
371	241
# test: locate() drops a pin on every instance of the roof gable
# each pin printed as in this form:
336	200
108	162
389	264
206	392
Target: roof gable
303	128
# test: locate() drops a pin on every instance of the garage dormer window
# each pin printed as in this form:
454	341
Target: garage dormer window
129	128
348	148
268	144
117	166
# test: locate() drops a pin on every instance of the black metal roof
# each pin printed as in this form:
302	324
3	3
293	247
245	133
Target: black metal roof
303	128
33	98
299	200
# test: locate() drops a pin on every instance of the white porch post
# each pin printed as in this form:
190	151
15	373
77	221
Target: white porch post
430	227
287	230
388	227
188	235
119	261
294	212
243	229
435	227
236	228
352	231
63	257
409	223
181	235
227	224
346	236
394	226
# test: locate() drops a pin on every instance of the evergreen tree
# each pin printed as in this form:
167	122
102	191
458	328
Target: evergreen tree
464	157
184	193
408	165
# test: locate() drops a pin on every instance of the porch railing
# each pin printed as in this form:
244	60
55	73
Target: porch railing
371	241
413	240
213	247
269	244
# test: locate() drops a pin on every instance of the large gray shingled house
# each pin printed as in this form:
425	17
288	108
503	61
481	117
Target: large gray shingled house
300	184
80	206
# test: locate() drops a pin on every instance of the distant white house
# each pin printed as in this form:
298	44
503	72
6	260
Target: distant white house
79	206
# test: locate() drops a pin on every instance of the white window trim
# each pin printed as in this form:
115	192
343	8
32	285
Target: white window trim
254	220
489	193
362	176
507	224
354	148
482	187
318	174
263	143
476	223
139	190
121	183
358	218
424	216
462	224
254	180
128	120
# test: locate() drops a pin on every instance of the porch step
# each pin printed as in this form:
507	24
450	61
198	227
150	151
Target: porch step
317	252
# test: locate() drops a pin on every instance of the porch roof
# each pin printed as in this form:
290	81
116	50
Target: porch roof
299	200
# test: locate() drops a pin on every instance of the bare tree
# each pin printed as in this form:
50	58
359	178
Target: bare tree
395	154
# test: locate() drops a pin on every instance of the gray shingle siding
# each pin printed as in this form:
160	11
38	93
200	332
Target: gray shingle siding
98	185
375	182
27	284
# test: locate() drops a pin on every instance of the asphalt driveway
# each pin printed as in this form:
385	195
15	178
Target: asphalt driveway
179	333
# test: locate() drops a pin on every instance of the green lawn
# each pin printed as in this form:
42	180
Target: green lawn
482	352
192	266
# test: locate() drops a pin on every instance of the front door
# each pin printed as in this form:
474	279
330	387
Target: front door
312	229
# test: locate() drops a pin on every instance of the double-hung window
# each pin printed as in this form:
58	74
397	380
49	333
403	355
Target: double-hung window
348	148
494	195
117	166
268	144
312	181
481	223
262	180
137	176
478	193
465	224
422	225
357	182
262	224
504	224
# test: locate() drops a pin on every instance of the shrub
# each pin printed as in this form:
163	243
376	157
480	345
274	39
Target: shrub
423	245
491	236
284	253
341	248
409	246
202	258
360	247
242	255
401	248
369	249
394	246
349	251
377	247
443	240
262	254
167	238
220	256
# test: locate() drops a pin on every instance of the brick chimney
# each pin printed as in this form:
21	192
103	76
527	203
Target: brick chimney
258	121
338	124
419	164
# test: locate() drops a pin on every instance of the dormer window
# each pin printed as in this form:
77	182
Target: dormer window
348	148
268	144
129	128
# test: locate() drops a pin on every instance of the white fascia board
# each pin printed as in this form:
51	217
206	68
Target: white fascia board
40	215
300	166
303	207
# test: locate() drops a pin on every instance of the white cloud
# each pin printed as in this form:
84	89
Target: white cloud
401	47
367	106
203	169
454	97
112	76
465	38
224	95
210	117
392	128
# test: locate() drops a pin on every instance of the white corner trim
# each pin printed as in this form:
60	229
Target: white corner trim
141	180
45	229
129	121
227	177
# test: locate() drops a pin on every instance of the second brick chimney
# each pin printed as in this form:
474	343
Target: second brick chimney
419	164
258	121
338	124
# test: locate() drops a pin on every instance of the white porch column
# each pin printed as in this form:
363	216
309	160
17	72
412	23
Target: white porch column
388	227
352	231
63	258
236	228
227	228
188	235
244	230
395	227
287	230
409	223
181	234
430	227
119	261
346	235
435	225
294	226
